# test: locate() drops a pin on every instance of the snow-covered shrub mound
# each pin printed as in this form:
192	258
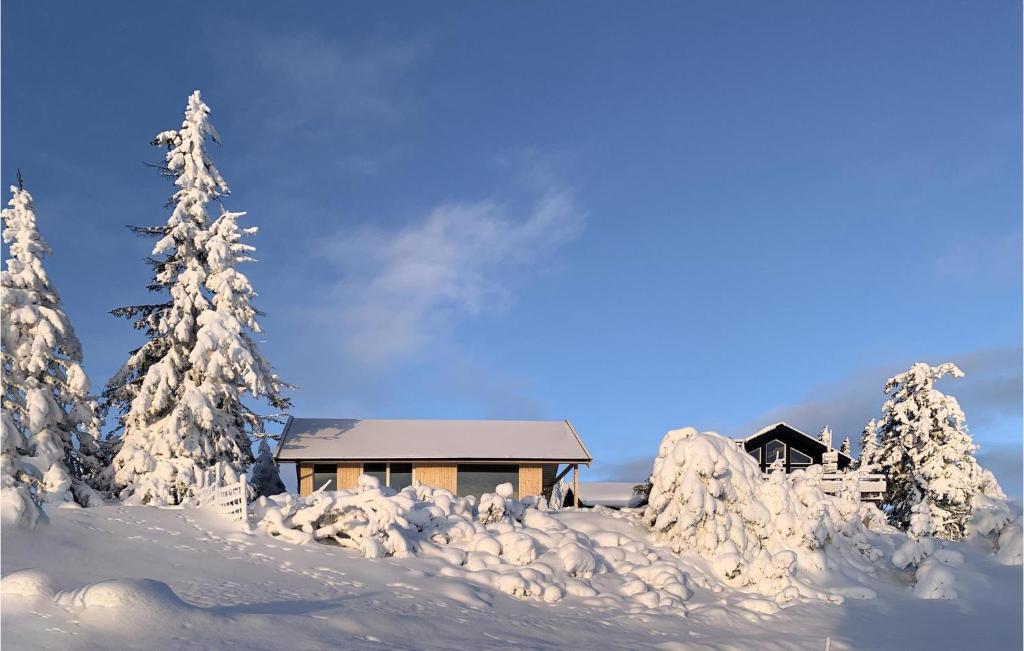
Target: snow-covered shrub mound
140	599
513	546
709	497
17	508
997	521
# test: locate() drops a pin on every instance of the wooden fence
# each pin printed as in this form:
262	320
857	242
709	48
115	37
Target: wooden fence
230	500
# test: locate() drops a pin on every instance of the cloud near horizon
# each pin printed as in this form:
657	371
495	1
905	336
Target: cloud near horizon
991	391
990	395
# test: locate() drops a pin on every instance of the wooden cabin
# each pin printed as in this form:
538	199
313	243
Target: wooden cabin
796	449
467	457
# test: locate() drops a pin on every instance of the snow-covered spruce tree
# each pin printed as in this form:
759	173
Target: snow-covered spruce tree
927	455
49	421
265	476
179	397
844	447
868	448
825	436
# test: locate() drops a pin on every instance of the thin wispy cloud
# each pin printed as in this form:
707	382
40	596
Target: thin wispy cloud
989	258
337	98
400	291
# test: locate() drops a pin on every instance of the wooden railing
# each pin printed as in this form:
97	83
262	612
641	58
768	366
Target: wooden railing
870	487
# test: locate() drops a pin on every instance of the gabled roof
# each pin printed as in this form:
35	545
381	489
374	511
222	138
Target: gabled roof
329	439
814	439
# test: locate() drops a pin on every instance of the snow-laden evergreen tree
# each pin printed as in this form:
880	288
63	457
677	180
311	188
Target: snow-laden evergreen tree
180	397
844	447
868	448
265	476
49	427
927	455
826	436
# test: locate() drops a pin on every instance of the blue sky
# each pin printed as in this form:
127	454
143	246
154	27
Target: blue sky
636	217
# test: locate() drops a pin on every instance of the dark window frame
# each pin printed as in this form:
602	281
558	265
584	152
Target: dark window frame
510	470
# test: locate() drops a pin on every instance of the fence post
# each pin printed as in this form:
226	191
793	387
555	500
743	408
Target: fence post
245	498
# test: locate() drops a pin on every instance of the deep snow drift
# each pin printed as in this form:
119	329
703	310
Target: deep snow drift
144	577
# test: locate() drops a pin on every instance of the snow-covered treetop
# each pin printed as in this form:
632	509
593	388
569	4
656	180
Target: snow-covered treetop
30	300
196	178
921	376
826	436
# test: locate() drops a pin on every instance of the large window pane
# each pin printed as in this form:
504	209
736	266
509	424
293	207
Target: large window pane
480	478
378	470
756	453
325	474
775	449
798	458
401	475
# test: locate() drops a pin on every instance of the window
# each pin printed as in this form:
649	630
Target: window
378	470
797	458
775	449
480	478
756	453
401	475
324	473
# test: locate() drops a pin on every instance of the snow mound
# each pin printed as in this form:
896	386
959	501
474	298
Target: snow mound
934	580
27	583
997	522
145	598
138	596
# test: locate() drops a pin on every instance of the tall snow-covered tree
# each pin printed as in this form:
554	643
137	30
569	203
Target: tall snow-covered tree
180	396
50	426
868	447
927	455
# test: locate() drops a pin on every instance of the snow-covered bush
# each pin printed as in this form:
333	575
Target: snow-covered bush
709	497
514	546
49	424
996	521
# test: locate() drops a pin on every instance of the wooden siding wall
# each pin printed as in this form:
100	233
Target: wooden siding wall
531	479
438	475
348	474
305	471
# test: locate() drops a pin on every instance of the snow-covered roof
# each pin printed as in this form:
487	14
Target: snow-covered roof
765	430
552	441
609	493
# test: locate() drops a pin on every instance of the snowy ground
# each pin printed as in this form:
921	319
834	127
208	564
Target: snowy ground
228	589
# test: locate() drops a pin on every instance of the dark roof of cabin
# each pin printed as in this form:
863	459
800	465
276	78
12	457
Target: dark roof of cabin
772	431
